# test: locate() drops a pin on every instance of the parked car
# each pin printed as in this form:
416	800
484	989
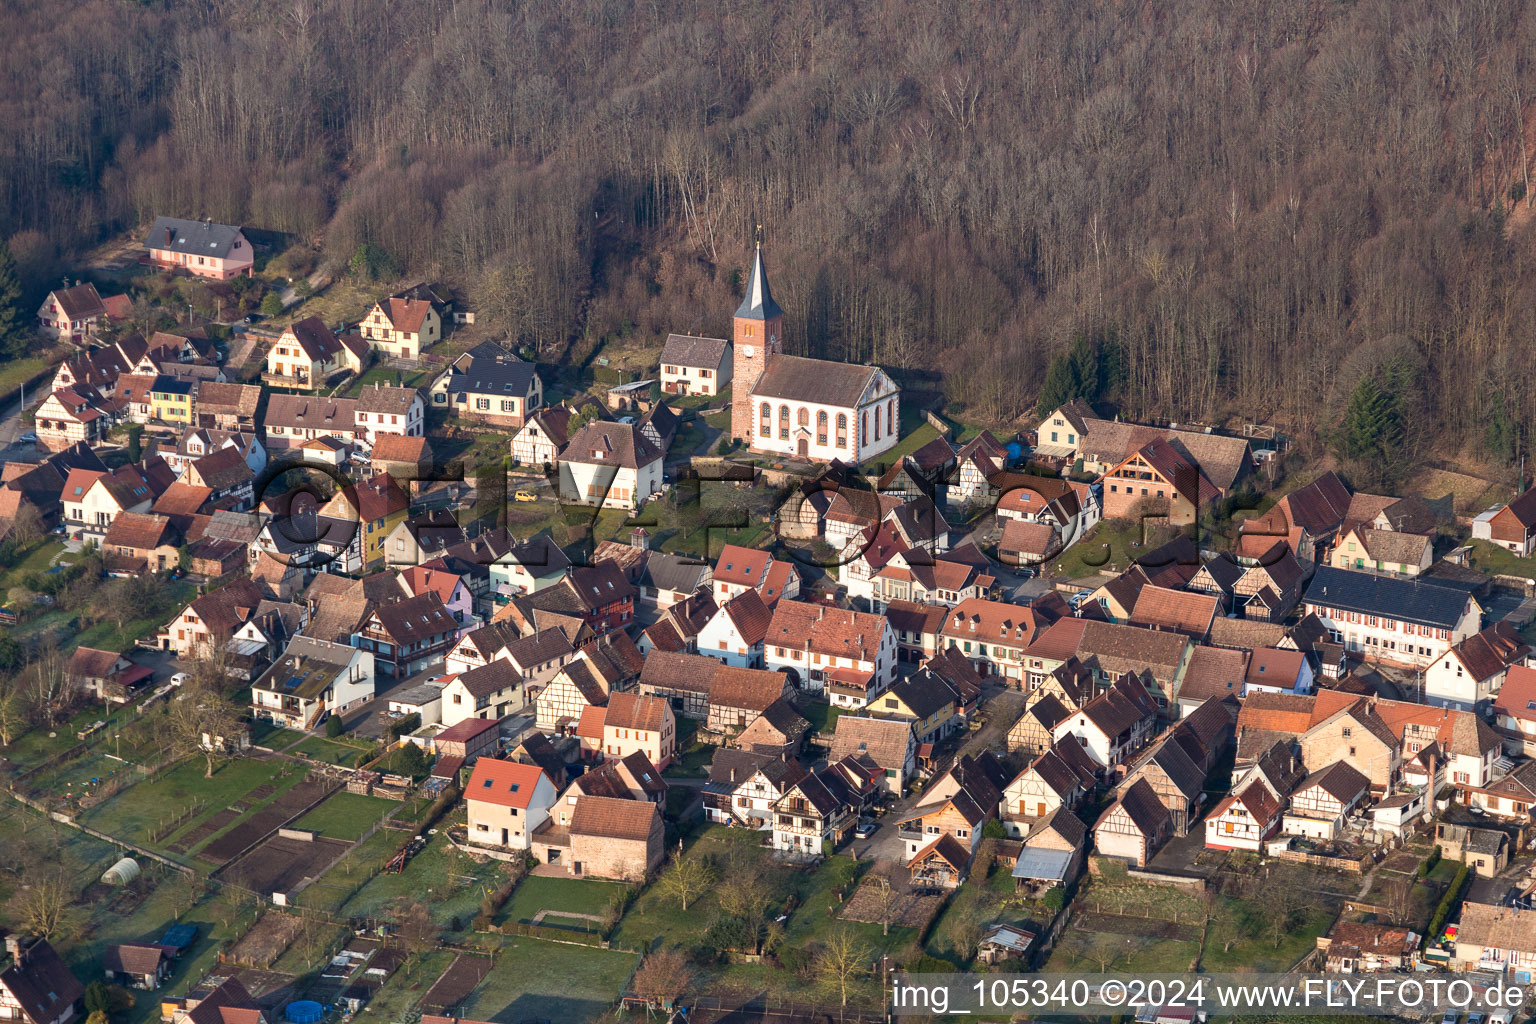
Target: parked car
866	829
1449	1017
30	437
525	496
178	678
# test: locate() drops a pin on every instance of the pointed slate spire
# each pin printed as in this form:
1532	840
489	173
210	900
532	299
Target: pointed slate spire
758	303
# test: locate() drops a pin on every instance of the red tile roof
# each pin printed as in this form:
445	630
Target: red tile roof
504	783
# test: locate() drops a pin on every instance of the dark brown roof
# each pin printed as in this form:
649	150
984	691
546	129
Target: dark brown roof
750	615
41	983
1341	780
1176	765
223	469
687	350
311	412
1490	652
131	958
218	398
632	711
80	302
142	531
1064	823
1121	648
492	677
89	663
384	398
1054	772
605	443
1213	672
886	741
318	341
818	381
1141	804
612	818
416	619
752	689
226	609
400	448
675	670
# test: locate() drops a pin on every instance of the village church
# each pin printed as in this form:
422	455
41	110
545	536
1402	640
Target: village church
813	409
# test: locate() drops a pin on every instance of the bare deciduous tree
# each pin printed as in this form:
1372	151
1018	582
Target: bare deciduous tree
841	959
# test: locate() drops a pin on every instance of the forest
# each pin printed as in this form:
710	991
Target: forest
1246	210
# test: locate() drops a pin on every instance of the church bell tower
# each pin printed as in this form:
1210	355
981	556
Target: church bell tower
756	336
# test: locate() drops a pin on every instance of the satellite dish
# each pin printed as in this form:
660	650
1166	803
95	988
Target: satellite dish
430	832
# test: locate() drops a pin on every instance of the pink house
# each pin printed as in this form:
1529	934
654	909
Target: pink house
200	247
450	587
70	314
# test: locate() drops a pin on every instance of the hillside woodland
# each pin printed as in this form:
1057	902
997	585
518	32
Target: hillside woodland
1241	210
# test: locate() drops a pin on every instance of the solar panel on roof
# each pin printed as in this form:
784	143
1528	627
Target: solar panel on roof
293	682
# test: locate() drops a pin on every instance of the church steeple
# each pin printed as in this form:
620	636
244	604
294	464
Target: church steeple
758	303
756	337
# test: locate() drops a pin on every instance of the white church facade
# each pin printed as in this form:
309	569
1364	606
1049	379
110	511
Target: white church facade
813	409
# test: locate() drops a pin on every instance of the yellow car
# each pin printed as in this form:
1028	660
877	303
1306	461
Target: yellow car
525	496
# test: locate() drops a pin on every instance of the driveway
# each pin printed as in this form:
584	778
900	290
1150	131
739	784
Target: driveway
1497	890
369	719
1179	853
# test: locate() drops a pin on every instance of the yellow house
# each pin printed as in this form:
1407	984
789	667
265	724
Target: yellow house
1385	551
926	701
402	327
377	506
171	401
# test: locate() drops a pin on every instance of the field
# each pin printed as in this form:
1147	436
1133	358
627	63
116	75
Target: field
252	827
137	813
539	980
278	863
454	986
357	866
1470	494
450	883
1266	923
346	815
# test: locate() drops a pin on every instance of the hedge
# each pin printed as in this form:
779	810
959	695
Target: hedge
1429	862
1447	904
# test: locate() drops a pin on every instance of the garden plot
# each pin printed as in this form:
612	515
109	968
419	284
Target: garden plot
269	819
461	978
279	864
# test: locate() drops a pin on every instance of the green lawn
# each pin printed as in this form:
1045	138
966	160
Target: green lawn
573	895
273	737
449	882
36	746
383	373
16	372
108	636
1112	544
538	980
346	815
920	435
330	751
822	715
37	559
1492	559
112	916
